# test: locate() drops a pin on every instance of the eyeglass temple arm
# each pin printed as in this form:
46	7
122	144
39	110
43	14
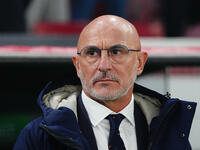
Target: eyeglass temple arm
134	50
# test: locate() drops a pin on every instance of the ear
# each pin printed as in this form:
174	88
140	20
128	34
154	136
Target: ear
75	60
142	58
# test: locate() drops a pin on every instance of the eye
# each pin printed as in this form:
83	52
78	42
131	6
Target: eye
91	52
116	51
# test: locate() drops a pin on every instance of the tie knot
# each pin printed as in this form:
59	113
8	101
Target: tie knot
115	120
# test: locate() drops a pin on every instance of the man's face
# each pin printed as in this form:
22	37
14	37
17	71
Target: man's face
105	79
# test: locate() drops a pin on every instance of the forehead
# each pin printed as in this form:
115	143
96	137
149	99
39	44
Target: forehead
104	36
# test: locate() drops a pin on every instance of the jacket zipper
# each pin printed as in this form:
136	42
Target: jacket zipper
150	145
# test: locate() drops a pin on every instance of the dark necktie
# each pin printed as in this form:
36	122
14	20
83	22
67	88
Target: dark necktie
115	140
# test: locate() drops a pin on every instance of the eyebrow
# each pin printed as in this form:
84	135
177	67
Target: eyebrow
115	45
129	49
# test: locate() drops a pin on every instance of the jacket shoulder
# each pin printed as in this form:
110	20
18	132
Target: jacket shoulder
31	136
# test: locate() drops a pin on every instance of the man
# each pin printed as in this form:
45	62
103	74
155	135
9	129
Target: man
110	112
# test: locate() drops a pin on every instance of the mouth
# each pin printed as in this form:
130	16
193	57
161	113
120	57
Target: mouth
105	80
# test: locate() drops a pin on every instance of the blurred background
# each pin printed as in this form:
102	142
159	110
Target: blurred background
38	39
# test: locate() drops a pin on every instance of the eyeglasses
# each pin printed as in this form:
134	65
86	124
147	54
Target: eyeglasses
118	53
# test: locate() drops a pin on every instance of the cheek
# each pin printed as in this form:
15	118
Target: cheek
133	69
85	71
130	72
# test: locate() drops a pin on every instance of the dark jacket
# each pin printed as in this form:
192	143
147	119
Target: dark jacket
162	123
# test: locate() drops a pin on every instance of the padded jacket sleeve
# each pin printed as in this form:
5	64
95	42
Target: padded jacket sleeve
30	137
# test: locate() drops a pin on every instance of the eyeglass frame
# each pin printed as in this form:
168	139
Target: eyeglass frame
108	49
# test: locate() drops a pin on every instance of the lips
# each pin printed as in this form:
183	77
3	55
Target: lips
106	80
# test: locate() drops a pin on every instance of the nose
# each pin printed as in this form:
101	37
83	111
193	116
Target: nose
104	63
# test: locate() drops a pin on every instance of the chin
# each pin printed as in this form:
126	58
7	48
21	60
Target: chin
106	94
106	90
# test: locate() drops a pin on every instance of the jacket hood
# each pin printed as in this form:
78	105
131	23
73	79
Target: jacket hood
56	95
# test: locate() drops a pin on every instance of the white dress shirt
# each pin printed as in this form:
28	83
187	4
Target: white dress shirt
101	126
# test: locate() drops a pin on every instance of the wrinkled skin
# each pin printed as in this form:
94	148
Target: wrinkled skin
108	83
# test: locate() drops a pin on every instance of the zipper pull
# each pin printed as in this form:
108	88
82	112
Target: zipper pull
168	95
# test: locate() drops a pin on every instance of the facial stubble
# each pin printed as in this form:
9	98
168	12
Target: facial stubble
110	96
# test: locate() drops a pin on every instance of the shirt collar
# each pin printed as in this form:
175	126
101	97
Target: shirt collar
128	111
97	112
